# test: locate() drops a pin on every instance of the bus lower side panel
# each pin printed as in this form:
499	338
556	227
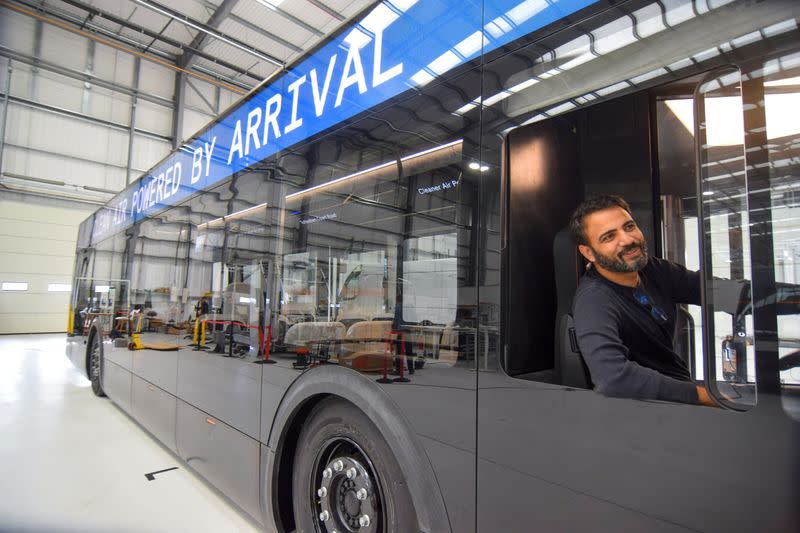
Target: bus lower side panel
227	458
117	385
154	408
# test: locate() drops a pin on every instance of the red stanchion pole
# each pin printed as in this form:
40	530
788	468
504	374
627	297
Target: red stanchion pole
402	378
389	347
265	346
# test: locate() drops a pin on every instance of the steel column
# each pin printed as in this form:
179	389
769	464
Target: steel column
177	113
5	115
87	87
137	63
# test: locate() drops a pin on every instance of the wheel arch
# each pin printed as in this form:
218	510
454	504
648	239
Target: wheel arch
331	381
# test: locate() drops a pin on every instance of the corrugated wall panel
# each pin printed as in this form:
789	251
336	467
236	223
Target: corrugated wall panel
154	118
200	94
58	134
109	105
37	239
193	121
115	66
17	31
64	48
59	91
156	79
123	69
42	241
21	81
148	151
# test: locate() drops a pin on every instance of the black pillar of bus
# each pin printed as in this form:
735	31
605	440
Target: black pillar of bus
129	256
408	228
759	202
188	254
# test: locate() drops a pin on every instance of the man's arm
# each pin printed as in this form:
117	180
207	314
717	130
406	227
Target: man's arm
597	330
685	284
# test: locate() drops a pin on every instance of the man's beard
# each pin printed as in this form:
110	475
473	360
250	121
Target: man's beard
616	263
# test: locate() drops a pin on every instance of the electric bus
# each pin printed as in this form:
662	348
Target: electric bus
346	301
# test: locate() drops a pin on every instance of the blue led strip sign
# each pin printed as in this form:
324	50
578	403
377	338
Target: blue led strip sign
399	45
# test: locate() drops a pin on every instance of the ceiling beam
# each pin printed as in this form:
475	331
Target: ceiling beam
268	35
95	12
335	14
200	26
221	13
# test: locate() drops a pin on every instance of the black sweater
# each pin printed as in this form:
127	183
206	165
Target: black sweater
628	352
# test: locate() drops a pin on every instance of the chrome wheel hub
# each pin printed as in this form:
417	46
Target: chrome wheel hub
346	496
94	359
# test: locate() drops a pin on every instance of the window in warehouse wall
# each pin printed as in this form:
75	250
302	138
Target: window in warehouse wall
15	286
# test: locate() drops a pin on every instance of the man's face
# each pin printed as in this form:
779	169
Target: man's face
615	241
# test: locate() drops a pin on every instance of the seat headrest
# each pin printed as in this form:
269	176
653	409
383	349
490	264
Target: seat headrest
568	264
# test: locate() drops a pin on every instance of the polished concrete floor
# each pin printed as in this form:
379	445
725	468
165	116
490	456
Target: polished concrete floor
70	461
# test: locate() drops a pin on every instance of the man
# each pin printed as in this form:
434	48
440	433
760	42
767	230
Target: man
625	308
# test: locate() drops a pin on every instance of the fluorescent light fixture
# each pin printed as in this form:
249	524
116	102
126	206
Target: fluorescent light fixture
14	286
526	10
708	193
724	122
783	83
472	44
370	170
474	165
502	95
102	288
783	118
220	222
498	27
243	300
497	97
59	287
444	62
468	107
271	4
423	77
378	20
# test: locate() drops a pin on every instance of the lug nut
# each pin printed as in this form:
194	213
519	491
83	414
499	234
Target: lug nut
338	465
351	473
322	492
361	494
326	473
363	520
324	515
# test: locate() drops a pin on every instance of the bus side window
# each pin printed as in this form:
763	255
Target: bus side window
782	116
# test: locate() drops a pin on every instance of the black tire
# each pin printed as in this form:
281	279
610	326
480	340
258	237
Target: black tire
338	431
94	363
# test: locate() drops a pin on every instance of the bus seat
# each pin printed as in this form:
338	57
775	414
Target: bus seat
448	346
365	344
305	334
569	267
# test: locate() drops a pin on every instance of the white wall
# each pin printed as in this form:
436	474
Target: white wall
73	132
37	246
43	144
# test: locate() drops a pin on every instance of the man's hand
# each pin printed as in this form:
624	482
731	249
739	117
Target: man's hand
704	398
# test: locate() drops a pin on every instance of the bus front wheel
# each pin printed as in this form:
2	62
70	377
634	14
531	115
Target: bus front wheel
95	363
345	477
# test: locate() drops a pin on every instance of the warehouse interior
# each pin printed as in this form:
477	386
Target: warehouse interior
96	92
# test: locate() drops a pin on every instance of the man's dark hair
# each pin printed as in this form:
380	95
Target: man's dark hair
589	206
